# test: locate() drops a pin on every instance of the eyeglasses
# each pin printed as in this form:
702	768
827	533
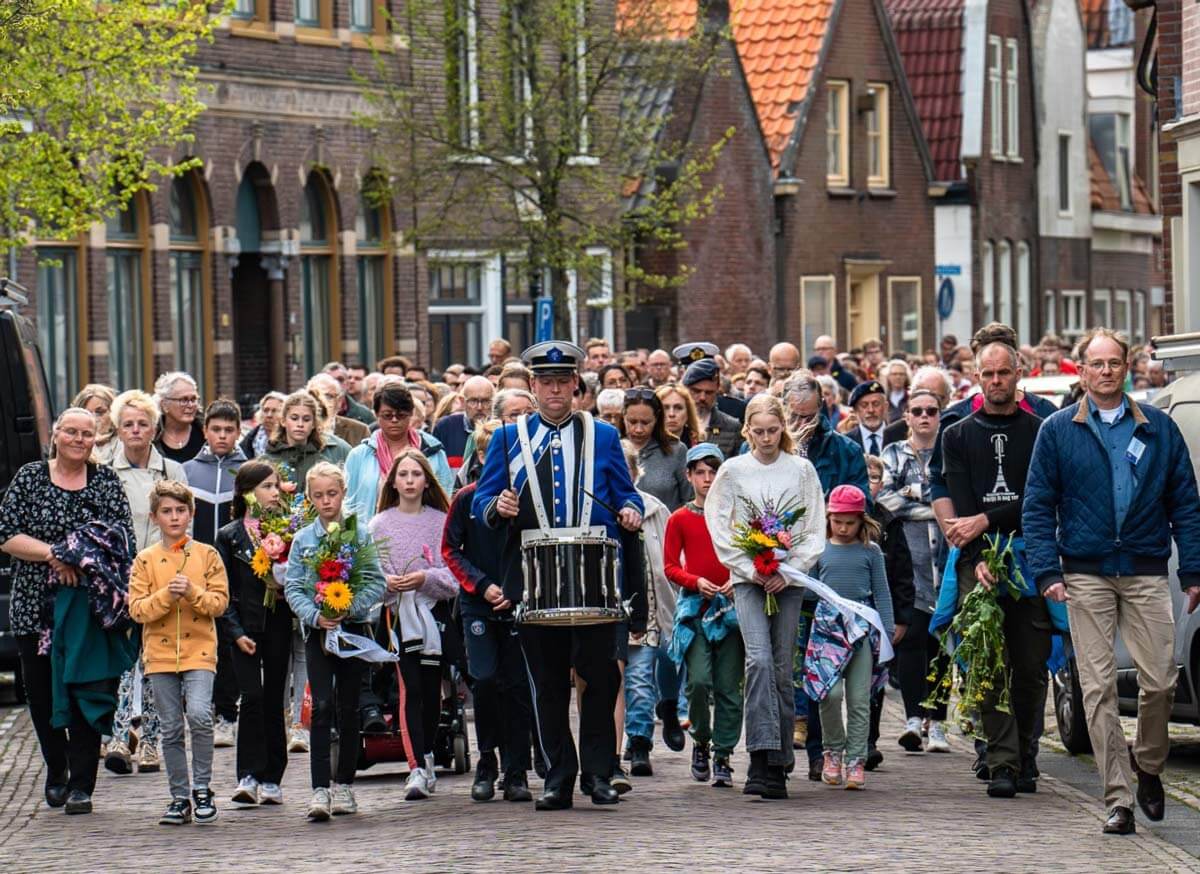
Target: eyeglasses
394	417
875	479
476	402
189	401
931	412
639	394
76	434
1113	364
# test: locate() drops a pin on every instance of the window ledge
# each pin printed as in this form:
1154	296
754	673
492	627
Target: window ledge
380	42
881	192
315	36
583	161
1015	159
841	191
253	29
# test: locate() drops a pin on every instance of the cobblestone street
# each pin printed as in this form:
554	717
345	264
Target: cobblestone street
918	813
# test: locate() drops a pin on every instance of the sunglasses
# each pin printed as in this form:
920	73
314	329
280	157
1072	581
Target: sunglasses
639	394
931	412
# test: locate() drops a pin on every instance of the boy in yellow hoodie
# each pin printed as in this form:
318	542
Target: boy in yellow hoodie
177	589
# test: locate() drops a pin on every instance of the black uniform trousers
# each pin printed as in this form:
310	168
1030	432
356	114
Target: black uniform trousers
552	652
500	686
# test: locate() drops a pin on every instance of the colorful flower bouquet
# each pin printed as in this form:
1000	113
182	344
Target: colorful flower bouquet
271	533
766	537
338	563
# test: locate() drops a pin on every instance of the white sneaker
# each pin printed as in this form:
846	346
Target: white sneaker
298	739
246	792
430	773
937	739
343	800
911	738
270	793
224	733
416	786
318	808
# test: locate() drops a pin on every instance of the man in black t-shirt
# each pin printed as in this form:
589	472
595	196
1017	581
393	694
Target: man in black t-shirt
985	461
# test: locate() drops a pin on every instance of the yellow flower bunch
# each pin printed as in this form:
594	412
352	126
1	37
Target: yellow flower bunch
260	563
764	540
338	597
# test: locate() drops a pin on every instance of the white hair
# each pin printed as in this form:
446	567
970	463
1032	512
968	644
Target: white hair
735	348
930	370
828	382
610	398
167	381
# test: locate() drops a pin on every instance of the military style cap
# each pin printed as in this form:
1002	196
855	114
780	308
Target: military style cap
553	357
865	388
688	353
700	370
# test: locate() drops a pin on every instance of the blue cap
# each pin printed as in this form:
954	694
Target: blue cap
705	450
865	388
701	370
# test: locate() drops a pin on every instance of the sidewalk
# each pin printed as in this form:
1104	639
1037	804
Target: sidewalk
918	813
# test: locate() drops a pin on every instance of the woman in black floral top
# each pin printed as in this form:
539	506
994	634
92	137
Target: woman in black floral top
44	502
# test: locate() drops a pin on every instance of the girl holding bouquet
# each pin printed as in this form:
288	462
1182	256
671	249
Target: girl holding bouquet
260	625
322	605
408	526
768	604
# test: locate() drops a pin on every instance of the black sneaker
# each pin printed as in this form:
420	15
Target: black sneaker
486	772
776	784
815	766
756	774
1003	784
179	812
620	778
78	801
982	772
372	721
722	774
205	806
700	769
1027	779
639	757
874	758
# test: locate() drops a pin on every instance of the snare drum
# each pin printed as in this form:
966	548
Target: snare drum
572	577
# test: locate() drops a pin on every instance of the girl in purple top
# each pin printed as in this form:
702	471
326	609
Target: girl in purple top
408	528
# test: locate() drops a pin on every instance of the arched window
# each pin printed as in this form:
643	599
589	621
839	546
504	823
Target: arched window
128	280
189	276
318	273
373	232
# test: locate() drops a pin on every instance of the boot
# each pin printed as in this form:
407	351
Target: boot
639	757
672	731
756	774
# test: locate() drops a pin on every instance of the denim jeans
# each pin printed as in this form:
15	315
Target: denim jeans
770	646
641	691
190	691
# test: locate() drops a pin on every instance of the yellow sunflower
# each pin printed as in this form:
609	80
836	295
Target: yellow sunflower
338	597
260	563
763	539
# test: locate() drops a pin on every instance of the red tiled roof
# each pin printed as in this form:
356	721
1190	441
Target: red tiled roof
658	19
1106	197
929	35
779	43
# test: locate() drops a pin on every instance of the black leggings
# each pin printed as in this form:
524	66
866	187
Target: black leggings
422	702
323	670
73	756
914	653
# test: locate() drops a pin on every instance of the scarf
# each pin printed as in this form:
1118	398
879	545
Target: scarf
383	452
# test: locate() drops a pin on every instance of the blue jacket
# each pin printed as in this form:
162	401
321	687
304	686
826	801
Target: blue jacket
1068	509
838	460
363	476
300	584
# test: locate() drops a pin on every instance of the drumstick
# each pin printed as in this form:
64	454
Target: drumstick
604	504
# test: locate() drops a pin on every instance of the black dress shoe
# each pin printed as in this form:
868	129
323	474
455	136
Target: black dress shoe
1150	796
373	721
56	791
78	801
604	793
484	787
1120	822
874	758
672	731
516	787
586	783
1003	784
554	799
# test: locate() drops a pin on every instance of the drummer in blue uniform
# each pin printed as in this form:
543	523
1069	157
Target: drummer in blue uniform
687	354
569	496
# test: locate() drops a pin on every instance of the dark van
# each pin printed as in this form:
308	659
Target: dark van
26	418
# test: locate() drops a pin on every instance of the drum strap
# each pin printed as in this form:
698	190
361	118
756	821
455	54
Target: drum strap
589	468
587	462
531	474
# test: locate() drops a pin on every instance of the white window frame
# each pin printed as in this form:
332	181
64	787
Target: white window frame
490	324
1064	174
1102	309
581	48
1074	315
1139	317
1123	298
1050	311
471	10
842	87
881	113
995	97
605	299
1024	304
1012	98
1004	289
831	307
988	269
895	338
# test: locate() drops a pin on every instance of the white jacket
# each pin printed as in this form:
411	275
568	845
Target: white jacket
137	482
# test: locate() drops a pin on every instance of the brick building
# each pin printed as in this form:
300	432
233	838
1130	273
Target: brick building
1177	49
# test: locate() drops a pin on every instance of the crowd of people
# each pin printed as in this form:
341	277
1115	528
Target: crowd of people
150	600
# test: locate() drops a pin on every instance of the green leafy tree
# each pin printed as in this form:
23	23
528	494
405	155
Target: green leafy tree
545	128
93	96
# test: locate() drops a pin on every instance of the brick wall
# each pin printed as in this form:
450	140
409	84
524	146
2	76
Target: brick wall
1170	71
1190	57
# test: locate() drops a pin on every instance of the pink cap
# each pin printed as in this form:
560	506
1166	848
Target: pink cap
847	499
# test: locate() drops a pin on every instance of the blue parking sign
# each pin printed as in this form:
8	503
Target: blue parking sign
545	320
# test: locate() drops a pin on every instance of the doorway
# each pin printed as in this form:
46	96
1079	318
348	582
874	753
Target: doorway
862	307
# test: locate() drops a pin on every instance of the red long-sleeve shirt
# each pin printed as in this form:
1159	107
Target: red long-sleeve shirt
687	533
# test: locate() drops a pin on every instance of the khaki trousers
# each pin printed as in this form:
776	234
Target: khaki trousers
1140	608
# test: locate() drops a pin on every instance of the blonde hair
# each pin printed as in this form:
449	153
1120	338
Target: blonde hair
875	463
693	418
69	411
134	399
869	530
483	433
94	390
632	461
310	403
173	489
328	471
772	406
